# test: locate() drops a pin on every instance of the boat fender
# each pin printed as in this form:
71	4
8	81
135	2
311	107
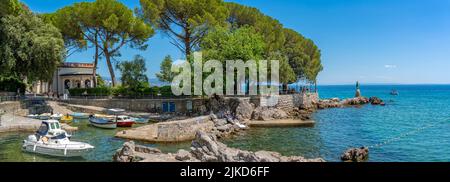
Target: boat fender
34	148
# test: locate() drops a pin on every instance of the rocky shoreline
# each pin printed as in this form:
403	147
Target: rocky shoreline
205	148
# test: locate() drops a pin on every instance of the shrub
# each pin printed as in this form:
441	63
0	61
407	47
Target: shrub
11	84
166	91
100	91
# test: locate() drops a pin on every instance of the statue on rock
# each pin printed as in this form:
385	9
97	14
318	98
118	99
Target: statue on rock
358	91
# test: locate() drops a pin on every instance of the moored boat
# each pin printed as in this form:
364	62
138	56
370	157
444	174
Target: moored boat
44	116
56	116
66	119
33	116
394	92
102	123
140	120
124	121
77	115
51	140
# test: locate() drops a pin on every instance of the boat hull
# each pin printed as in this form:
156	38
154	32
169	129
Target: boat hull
105	125
125	124
59	151
80	116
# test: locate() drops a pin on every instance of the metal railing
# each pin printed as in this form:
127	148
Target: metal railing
10	98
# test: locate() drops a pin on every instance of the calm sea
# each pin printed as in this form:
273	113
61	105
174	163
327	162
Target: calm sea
416	107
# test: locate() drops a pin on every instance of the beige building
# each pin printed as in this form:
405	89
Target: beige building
68	75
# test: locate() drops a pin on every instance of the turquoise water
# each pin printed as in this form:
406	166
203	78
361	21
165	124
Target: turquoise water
104	141
335	130
341	128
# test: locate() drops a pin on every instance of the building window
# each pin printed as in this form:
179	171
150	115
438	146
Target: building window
87	84
67	84
78	83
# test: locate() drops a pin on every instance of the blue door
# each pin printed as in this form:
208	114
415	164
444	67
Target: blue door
172	107
165	107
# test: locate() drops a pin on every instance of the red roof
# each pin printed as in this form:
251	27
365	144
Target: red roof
77	65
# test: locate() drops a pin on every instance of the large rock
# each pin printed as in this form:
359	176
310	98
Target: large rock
230	107
375	101
244	110
126	153
356	155
356	101
206	148
266	114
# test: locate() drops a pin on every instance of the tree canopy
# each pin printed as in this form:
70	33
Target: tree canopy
186	22
133	73
271	29
166	74
240	44
107	24
29	47
11	7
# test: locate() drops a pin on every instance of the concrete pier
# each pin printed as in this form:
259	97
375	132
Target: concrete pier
11	123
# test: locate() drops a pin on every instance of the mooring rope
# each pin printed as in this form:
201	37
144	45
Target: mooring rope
404	135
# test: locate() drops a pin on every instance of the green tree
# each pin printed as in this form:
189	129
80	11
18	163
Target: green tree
133	74
225	44
11	7
294	49
109	25
30	48
100	81
313	65
166	75
269	28
233	44
186	22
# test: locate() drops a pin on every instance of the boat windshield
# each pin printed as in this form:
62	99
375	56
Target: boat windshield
61	136
43	129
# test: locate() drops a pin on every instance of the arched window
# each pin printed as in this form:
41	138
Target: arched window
78	83
66	84
87	84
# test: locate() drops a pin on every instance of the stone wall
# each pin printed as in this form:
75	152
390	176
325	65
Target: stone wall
184	130
137	105
172	131
287	102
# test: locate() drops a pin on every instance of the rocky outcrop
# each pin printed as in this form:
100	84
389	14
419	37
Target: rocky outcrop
329	103
205	148
356	101
376	101
356	155
267	113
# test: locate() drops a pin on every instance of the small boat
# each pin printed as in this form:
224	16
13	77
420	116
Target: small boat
51	140
66	119
394	92
102	123
45	116
124	121
33	116
115	111
140	120
77	115
56	116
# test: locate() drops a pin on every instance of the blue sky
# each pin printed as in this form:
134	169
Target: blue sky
373	41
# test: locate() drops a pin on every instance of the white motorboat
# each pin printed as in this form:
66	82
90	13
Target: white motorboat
44	116
56	116
33	116
50	139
